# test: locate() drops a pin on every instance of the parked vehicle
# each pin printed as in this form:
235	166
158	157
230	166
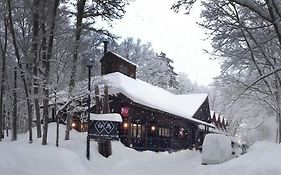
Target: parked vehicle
219	148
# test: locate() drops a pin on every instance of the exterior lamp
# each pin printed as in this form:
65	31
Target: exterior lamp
89	63
73	125
181	131
125	125
153	128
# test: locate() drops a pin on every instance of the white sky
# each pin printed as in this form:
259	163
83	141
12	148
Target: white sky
175	34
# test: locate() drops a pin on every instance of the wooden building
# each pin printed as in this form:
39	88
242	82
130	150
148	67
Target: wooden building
153	118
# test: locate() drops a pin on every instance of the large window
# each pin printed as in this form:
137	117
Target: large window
137	130
164	132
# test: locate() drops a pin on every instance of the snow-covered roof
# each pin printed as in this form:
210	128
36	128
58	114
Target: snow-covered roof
184	106
106	117
119	56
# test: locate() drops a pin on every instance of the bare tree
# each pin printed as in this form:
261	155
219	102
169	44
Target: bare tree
246	35
46	64
3	49
106	10
26	80
35	40
15	107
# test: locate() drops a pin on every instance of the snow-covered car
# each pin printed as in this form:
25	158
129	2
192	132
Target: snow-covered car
219	148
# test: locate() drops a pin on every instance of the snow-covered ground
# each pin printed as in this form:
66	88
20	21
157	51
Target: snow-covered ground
21	158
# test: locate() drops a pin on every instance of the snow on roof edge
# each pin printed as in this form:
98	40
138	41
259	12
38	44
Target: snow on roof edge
106	117
163	100
128	61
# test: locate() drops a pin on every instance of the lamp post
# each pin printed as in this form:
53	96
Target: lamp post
89	64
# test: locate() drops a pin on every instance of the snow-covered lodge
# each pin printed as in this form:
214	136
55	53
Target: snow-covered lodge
153	118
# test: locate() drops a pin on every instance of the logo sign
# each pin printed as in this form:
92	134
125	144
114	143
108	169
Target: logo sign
103	130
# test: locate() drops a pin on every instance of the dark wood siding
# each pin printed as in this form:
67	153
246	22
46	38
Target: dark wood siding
171	132
203	112
113	63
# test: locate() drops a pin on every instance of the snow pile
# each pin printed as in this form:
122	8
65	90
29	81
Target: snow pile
263	158
21	158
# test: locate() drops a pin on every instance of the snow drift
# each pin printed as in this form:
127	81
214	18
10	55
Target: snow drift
21	158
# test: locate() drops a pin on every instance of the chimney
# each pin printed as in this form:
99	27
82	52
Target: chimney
105	47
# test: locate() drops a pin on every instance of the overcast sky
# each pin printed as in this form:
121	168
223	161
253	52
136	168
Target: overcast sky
177	35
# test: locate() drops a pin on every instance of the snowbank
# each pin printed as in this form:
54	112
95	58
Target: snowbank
21	158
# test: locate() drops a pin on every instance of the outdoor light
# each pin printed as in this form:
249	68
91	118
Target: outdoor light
125	125
181	131
73	125
153	128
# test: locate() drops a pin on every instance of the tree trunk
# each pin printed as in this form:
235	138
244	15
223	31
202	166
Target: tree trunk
3	48
45	112
7	122
46	64
79	18
26	81
15	107
97	98
80	12
278	111
35	31
80	8
104	146
68	122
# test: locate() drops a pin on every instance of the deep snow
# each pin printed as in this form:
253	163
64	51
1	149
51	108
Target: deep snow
22	158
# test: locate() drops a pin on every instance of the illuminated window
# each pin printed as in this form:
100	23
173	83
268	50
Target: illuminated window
164	132
137	130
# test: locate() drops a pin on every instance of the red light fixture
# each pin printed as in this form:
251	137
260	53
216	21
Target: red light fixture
125	111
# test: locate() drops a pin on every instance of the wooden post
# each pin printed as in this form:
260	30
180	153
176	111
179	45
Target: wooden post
89	106
98	104
104	146
57	119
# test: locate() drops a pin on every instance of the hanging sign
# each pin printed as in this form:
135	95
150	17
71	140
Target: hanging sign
104	126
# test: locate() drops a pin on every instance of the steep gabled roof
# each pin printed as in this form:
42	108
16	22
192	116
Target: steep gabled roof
184	106
143	93
119	57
